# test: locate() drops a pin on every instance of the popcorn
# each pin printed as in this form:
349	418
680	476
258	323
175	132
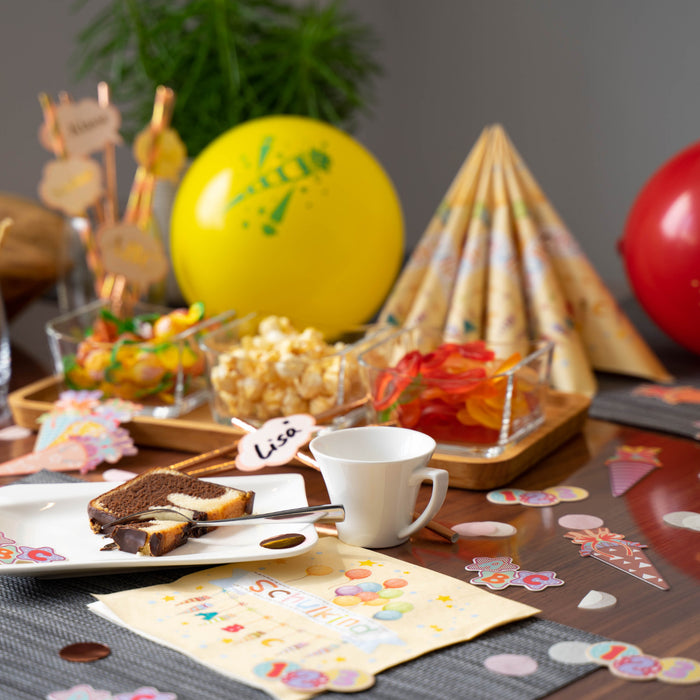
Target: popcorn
280	371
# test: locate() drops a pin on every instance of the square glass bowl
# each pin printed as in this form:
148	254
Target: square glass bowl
475	399
166	375
261	367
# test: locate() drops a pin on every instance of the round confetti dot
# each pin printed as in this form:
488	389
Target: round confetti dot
474	529
676	669
349	680
604	653
597	600
485	528
576	521
511	664
388	615
636	667
569	652
568	494
395	583
14	432
82	652
677	517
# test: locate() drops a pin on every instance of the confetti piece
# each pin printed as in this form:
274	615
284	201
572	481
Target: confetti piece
82	652
484	528
568	494
629	465
604	653
621	554
14	432
580	522
511	664
678	518
569	652
505	496
692	522
117	475
636	667
80	692
538	499
349	680
679	670
597	600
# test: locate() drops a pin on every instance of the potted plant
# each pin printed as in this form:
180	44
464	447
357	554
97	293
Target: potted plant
229	61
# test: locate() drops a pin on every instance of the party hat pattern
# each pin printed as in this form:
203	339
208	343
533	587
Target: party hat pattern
622	554
496	262
629	465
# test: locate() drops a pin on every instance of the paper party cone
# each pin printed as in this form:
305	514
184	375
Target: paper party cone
433	298
406	290
506	323
619	553
612	343
629	465
465	317
571	370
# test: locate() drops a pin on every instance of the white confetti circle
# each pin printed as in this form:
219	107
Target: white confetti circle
577	521
569	652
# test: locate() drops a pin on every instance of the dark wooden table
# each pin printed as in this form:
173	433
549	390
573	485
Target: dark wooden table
661	623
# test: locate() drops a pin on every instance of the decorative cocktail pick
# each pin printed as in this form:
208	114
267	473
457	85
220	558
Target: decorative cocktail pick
618	552
629	465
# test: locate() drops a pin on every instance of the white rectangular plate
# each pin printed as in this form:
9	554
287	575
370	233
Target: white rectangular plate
55	515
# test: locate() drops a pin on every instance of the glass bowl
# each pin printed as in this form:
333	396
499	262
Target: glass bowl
474	399
165	375
261	367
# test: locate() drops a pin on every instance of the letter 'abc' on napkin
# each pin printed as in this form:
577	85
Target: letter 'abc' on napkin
257	621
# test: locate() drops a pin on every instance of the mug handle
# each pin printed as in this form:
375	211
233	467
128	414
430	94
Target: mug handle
440	480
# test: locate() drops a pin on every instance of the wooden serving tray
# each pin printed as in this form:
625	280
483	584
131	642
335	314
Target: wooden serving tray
197	432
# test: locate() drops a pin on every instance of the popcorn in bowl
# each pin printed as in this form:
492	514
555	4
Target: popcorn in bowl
262	367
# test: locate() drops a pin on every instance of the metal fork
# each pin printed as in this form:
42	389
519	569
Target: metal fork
328	513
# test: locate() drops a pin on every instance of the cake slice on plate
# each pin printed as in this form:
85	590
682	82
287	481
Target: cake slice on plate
164	488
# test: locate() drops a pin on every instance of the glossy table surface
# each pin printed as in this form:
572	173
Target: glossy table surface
662	623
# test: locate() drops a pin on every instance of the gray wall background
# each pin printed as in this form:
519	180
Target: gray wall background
595	95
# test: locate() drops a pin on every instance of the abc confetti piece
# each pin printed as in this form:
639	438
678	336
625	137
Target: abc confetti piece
498	573
537	499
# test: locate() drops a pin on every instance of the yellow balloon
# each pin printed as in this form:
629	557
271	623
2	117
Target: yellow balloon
290	216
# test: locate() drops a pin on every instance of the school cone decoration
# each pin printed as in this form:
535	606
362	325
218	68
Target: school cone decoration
496	262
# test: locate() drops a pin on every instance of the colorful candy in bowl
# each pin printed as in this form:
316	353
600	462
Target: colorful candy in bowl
151	357
474	398
263	366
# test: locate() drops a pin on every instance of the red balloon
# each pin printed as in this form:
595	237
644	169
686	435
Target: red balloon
661	247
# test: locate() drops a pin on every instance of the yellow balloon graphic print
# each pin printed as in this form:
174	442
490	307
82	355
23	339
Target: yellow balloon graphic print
290	216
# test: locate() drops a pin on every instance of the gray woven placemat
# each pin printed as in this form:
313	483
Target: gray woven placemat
40	616
618	399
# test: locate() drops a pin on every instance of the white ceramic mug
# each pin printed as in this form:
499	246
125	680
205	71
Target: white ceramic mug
376	472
